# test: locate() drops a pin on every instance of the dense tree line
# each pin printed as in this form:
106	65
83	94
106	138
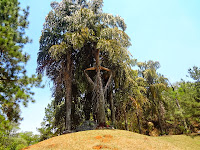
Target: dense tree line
85	53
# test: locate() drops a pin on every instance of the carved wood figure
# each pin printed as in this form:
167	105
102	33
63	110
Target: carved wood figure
98	89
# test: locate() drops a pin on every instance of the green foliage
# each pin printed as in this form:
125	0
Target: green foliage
194	73
15	85
141	97
79	29
29	137
11	140
48	127
187	92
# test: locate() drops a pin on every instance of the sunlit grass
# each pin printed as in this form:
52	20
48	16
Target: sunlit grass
183	141
117	140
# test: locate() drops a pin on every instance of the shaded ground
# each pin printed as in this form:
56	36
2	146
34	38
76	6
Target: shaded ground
116	140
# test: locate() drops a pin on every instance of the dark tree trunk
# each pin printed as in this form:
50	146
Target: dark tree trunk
68	91
88	105
157	107
125	119
160	119
138	120
101	118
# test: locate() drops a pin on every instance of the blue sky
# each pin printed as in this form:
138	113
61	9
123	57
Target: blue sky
167	31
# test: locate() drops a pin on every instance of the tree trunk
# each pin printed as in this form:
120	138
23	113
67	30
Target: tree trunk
138	120
184	121
160	119
87	105
110	97
101	118
68	91
179	107
125	119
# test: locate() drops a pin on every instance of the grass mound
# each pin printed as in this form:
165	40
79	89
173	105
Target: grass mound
116	140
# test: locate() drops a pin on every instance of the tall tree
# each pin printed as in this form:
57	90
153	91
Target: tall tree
59	67
77	31
155	84
15	85
195	75
187	96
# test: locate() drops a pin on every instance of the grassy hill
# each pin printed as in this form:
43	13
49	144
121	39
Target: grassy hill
117	140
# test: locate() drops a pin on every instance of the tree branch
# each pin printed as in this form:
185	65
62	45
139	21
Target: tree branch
108	83
92	68
88	78
106	69
2	79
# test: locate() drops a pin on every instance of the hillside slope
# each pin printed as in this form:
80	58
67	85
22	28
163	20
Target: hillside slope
116	140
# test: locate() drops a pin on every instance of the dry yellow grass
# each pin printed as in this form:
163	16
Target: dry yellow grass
191	142
114	140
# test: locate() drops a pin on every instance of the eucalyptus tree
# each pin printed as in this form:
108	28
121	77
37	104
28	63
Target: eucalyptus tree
79	30
59	67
